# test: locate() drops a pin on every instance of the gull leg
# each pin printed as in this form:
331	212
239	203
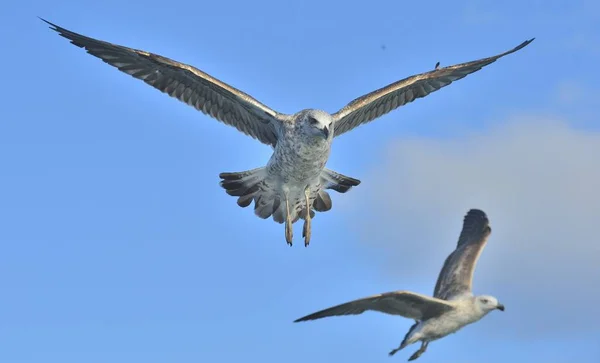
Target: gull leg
288	222
306	231
394	351
406	339
418	353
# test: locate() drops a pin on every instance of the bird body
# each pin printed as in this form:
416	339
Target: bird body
453	305
294	180
465	312
299	157
293	184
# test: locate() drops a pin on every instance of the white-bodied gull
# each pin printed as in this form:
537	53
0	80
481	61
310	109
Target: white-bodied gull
293	184
453	304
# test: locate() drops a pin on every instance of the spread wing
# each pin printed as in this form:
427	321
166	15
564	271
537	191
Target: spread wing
379	102
456	277
188	84
404	303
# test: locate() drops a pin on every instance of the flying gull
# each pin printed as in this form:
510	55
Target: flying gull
294	183
452	306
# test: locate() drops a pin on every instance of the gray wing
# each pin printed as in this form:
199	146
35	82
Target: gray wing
379	102
456	277
404	303
188	84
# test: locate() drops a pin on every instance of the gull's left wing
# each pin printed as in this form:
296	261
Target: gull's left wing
379	102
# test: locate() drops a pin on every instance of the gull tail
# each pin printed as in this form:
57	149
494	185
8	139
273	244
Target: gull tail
321	202
336	181
253	185
332	180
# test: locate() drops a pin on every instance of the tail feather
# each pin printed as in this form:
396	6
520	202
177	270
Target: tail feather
332	180
253	185
240	184
241	189
338	182
249	186
263	207
245	200
322	202
241	174
279	211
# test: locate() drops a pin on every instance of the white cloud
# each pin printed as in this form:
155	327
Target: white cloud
539	181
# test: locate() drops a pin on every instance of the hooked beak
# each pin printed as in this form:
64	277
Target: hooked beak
500	307
326	132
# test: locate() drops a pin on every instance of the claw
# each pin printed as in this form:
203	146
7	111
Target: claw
306	232
418	353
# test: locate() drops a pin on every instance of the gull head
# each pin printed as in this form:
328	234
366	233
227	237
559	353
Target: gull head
317	123
488	303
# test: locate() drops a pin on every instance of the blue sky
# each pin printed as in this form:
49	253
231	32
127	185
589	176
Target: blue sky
118	245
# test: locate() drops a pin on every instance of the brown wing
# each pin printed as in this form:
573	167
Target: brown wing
456	277
377	103
188	84
404	303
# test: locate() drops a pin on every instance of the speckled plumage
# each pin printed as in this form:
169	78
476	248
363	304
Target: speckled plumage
453	306
296	171
299	159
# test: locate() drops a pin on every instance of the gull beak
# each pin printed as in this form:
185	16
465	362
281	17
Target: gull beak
326	132
500	307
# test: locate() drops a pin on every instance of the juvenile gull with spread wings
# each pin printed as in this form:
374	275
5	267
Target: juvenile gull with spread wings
293	184
452	306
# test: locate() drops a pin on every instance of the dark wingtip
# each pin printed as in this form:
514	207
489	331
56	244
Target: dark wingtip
52	25
476	212
480	216
524	44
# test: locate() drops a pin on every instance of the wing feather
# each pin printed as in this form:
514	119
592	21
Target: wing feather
379	102
456	276
188	84
404	303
